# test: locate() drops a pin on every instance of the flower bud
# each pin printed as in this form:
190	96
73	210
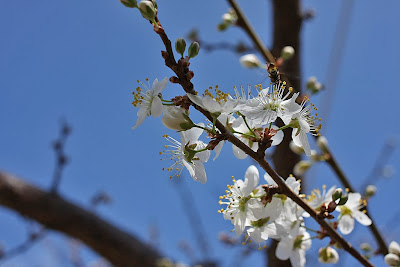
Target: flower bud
313	85
176	118
328	255
322	143
301	167
370	190
147	10
227	17
193	50
343	200
392	259
394	248
222	26
296	149
287	52
250	61
180	46
337	194
129	3
366	247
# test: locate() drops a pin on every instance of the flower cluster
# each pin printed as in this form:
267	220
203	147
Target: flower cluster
249	118
263	213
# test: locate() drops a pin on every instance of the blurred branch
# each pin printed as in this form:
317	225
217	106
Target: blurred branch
54	212
25	246
61	158
382	159
335	58
191	213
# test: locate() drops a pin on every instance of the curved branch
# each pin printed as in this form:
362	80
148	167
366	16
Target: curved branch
54	212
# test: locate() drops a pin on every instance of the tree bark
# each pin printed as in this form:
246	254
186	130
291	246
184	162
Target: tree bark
53	212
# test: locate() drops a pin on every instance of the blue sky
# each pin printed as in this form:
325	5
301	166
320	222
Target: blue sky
80	60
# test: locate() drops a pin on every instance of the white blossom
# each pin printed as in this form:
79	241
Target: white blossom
328	255
351	211
149	103
184	154
241	207
267	106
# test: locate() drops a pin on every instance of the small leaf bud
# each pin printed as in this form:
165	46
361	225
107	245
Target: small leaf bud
193	50
343	200
370	190
129	3
337	194
250	61
287	52
180	46
147	10
322	143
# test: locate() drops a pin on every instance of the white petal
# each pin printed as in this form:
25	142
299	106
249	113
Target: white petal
361	217
298	258
353	201
196	99
346	224
269	179
156	107
211	104
159	86
189	167
191	135
278	137
239	222
394	247
142	114
218	149
251	180
304	143
200	173
255	234
284	249
238	152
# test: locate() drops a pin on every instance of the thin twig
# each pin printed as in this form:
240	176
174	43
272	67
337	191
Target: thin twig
244	23
61	158
184	81
32	239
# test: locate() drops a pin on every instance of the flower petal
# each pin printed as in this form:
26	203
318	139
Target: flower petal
361	217
346	224
156	107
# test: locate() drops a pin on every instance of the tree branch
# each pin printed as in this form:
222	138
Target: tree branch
184	81
54	212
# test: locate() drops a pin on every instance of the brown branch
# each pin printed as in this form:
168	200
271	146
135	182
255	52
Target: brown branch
54	212
184	80
383	249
